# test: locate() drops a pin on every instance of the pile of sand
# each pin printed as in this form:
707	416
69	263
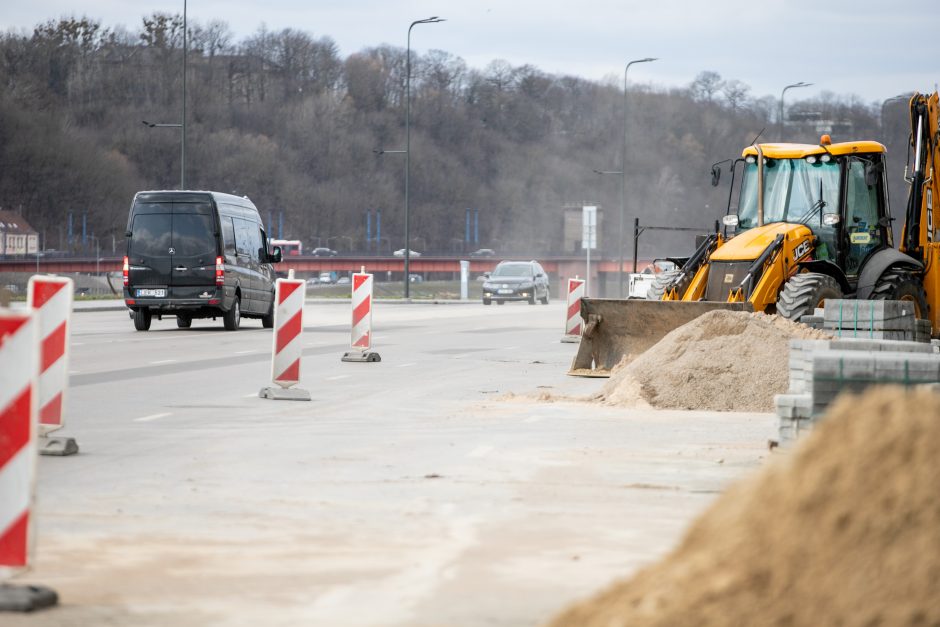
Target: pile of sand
845	531
722	360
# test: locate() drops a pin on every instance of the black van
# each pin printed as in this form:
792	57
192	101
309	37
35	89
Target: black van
197	255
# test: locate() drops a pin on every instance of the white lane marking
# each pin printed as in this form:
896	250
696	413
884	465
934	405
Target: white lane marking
337	377
532	419
153	417
511	348
252	395
480	451
407	365
244	352
75	372
162	361
78	343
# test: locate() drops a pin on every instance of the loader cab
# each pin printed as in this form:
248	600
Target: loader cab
837	190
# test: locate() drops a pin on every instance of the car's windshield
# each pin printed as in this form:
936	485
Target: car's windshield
795	190
513	269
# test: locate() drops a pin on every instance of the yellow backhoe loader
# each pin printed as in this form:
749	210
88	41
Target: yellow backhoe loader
813	222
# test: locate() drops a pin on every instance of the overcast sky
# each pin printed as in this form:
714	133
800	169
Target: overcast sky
864	47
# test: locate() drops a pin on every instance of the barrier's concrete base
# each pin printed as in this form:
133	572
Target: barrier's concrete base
361	356
570	339
57	446
26	598
284	394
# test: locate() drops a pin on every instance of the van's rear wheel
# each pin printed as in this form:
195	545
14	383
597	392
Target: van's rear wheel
183	321
232	318
803	293
267	321
142	319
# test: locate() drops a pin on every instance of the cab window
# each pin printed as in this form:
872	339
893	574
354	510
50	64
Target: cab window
861	227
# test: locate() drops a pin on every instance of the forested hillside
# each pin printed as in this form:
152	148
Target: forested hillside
282	118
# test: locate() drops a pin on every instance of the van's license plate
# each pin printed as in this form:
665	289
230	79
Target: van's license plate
504	291
156	293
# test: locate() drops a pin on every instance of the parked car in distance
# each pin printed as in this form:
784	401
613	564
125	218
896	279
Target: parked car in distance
327	277
313	281
401	253
323	252
516	280
415	278
343	280
483	252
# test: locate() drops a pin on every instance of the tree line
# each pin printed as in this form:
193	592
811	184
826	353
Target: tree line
283	118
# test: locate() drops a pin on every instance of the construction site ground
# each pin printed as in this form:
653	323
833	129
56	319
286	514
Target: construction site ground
432	488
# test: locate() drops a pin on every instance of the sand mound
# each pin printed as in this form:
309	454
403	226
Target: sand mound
722	360
845	531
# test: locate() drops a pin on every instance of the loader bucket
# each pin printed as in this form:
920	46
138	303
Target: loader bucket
614	329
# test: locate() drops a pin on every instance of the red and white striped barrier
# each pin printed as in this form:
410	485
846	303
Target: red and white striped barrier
50	298
19	360
361	334
573	311
287	343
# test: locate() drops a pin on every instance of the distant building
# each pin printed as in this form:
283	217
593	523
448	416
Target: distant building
17	237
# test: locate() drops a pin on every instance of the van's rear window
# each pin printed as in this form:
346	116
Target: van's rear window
190	235
150	235
193	235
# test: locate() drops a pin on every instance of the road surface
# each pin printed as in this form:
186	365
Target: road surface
432	488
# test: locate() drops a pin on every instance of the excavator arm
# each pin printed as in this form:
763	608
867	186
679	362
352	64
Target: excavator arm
920	237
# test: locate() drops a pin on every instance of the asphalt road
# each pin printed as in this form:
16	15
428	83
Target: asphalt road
432	488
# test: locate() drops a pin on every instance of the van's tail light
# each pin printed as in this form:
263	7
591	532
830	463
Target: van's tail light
219	271
125	270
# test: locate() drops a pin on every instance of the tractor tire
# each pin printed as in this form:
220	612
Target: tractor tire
803	293
658	287
897	284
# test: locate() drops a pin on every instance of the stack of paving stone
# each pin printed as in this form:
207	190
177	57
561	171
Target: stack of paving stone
871	319
821	369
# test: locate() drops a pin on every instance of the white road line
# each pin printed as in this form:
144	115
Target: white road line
162	361
244	352
407	365
252	395
71	372
153	417
337	377
510	348
78	343
532	419
480	451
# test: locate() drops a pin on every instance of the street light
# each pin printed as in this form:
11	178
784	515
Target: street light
623	170
429	20
780	121
182	124
881	120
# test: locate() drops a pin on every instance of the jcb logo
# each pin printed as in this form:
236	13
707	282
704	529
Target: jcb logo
729	277
929	215
801	250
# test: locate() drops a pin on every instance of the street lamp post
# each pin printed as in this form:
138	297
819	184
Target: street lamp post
182	124
780	120
623	169
881	120
429	20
